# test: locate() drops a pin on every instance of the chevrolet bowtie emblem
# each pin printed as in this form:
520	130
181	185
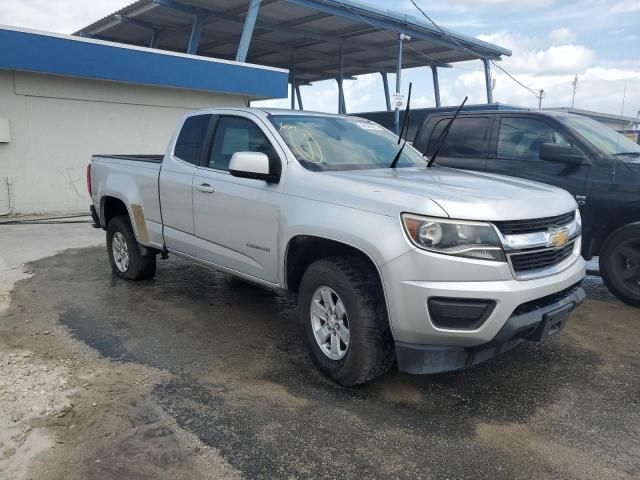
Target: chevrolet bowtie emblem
558	236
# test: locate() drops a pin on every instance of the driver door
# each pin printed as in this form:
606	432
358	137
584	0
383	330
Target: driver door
518	154
236	219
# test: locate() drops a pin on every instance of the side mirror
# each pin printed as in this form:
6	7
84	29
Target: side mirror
555	152
251	165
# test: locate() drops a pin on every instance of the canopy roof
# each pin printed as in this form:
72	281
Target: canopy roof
53	53
305	34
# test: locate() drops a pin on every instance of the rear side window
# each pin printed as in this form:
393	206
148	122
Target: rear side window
520	138
191	138
468	137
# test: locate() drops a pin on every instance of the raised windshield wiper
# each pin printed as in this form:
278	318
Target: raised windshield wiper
443	135
405	123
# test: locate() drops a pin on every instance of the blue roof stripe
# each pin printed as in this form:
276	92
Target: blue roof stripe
65	55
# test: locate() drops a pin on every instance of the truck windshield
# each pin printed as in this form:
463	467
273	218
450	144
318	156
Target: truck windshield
341	143
602	137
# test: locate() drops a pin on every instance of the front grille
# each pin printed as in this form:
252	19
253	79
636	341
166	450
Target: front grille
538	259
515	227
543	302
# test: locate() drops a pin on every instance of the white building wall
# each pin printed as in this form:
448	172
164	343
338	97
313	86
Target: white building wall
57	123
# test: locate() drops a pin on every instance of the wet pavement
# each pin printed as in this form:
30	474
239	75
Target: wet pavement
231	372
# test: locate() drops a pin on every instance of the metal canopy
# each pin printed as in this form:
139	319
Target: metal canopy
305	36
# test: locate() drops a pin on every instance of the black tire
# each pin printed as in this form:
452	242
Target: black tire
140	267
370	351
620	264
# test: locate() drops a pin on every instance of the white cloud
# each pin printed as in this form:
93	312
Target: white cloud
562	36
556	60
626	6
599	89
532	55
63	16
505	3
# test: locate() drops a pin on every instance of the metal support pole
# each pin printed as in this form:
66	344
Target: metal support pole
341	106
487	79
293	96
436	85
299	97
385	84
292	79
396	122
155	39
196	30
247	31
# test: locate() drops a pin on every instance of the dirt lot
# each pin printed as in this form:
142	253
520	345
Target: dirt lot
197	375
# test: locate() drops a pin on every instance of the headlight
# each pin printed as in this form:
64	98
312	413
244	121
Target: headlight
451	237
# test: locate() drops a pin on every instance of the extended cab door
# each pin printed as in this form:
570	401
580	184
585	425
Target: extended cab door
466	145
176	182
237	218
517	153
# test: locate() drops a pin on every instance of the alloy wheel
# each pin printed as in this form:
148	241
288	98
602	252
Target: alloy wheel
330	323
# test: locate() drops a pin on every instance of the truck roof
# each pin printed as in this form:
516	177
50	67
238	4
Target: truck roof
271	111
547	113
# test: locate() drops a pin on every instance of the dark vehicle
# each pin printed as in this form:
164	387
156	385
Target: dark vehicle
597	165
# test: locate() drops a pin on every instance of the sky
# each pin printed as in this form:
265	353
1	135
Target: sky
551	40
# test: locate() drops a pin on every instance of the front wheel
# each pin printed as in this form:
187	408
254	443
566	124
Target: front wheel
620	264
344	320
127	260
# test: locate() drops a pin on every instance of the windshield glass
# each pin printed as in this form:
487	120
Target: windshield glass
602	137
341	143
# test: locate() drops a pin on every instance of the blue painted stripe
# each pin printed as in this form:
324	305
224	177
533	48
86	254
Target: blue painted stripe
41	53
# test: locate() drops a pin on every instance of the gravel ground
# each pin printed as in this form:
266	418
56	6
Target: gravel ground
198	375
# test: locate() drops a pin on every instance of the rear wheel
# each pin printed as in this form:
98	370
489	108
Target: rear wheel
125	254
344	320
620	264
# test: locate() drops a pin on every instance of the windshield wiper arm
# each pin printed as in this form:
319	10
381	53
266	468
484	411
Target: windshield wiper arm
405	123
637	154
443	135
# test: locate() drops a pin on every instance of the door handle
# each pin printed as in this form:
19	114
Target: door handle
205	188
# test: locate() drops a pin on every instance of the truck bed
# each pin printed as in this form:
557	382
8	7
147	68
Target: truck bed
134	178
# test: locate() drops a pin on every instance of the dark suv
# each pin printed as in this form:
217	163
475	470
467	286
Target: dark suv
600	167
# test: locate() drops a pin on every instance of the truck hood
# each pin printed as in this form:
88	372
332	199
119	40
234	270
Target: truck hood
463	194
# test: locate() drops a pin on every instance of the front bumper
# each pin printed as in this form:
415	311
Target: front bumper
531	324
411	279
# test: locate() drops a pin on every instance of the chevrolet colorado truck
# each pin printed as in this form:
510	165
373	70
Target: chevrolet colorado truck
432	269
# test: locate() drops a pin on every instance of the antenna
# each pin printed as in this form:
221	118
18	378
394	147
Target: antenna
540	96
575	86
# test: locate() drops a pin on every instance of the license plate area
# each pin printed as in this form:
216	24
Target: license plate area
552	322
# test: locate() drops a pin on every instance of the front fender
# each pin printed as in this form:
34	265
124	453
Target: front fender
378	236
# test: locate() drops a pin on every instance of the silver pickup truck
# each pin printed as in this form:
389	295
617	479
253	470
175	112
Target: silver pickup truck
434	269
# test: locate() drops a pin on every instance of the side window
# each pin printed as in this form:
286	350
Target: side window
191	138
237	134
468	137
520	138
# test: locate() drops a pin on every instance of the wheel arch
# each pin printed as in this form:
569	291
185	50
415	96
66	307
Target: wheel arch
112	206
600	238
302	250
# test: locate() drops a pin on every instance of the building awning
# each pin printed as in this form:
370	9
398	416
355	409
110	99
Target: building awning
307	36
44	52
